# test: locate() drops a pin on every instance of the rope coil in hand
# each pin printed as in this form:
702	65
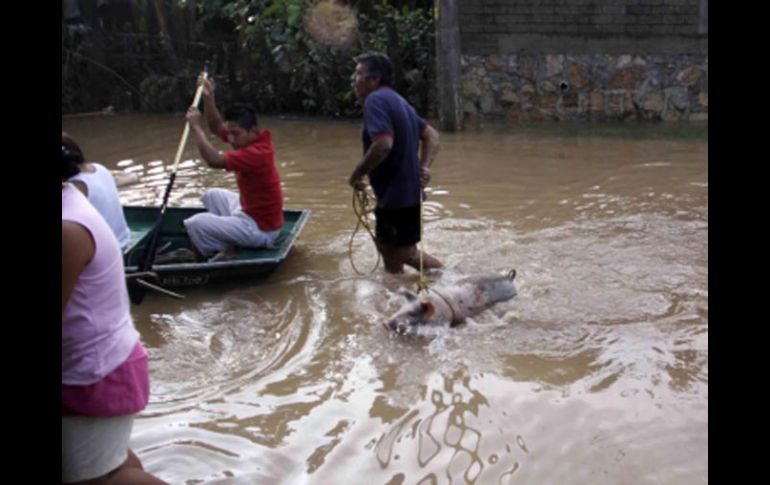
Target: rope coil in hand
362	207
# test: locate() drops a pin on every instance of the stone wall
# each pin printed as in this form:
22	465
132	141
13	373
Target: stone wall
585	60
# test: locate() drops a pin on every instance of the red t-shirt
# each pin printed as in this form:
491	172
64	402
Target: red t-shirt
258	181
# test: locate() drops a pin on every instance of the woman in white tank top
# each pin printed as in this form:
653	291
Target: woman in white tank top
98	184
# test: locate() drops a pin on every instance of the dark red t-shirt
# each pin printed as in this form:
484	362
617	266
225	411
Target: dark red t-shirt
258	181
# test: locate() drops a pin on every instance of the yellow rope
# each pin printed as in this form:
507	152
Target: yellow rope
422	284
362	207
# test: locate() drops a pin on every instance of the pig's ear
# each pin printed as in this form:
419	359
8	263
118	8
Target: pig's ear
427	309
408	295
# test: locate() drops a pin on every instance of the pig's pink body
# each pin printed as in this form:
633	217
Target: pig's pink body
450	305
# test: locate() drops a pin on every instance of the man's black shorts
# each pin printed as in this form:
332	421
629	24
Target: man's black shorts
398	227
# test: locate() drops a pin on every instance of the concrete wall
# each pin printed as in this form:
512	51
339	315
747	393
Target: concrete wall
585	59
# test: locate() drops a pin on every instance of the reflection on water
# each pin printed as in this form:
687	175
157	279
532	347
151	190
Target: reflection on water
597	372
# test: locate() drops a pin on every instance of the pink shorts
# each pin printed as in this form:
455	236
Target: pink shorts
123	391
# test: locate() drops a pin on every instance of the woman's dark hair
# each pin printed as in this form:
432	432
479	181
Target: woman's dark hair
71	157
377	66
242	114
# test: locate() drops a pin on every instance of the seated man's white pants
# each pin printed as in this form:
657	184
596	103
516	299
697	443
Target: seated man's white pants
225	224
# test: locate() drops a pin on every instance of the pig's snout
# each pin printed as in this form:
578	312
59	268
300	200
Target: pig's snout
399	328
391	325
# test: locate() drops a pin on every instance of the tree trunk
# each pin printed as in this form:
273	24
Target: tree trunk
364	7
165	38
394	53
190	19
450	109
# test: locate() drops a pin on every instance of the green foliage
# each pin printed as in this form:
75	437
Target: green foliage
294	72
160	93
263	53
407	36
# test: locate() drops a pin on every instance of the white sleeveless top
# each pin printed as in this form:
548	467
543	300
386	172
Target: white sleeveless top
103	195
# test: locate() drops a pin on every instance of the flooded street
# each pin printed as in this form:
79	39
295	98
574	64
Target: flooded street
596	372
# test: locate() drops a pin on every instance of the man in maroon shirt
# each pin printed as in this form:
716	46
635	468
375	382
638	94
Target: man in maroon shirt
399	147
254	217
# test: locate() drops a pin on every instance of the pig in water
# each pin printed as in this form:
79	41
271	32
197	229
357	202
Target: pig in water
467	297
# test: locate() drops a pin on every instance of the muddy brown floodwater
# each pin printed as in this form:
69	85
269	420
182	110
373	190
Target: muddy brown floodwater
597	372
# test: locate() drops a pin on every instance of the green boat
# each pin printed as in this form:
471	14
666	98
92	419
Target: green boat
248	263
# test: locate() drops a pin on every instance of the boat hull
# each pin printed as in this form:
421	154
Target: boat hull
248	265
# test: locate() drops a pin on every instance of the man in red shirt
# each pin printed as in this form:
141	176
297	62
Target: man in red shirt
254	217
